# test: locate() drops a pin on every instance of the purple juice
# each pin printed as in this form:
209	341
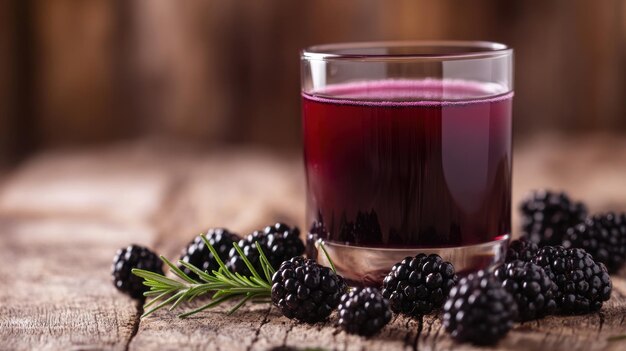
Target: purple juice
408	164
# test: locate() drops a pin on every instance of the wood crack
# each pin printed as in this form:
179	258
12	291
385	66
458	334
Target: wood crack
407	337
258	330
136	321
420	327
436	335
601	316
284	344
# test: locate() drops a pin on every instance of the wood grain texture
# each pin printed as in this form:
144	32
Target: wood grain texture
56	288
62	216
87	184
262	328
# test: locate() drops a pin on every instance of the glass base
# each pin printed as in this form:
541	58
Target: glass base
367	266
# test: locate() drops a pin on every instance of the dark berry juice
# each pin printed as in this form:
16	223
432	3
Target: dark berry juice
408	164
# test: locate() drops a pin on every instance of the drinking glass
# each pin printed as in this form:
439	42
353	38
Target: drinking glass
407	149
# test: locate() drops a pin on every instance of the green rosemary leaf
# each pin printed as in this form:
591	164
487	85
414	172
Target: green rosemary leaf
178	272
266	272
332	265
224	276
252	281
219	294
158	298
207	306
245	281
196	294
199	293
267	264
260	282
216	256
223	273
240	303
153	284
200	289
162	304
617	338
184	297
154	292
246	261
203	275
231	278
147	275
222	283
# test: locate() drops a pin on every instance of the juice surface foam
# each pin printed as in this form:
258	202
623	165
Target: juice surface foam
427	92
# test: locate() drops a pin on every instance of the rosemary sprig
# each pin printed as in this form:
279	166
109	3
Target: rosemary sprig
332	265
223	284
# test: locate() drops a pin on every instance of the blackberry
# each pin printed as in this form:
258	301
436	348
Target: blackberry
603	236
522	249
417	285
479	310
363	311
305	290
279	243
127	258
199	255
583	284
316	231
546	216
532	289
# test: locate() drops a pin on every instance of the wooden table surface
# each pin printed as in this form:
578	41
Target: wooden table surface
64	214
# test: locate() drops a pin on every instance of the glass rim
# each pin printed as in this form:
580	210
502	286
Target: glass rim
350	50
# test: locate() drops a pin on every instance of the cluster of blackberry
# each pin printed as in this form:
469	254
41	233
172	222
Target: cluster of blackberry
483	307
553	219
537	279
279	243
558	266
301	289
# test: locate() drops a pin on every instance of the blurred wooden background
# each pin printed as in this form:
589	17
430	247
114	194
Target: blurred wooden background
75	73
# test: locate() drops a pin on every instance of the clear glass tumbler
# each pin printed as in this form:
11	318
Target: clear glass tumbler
407	149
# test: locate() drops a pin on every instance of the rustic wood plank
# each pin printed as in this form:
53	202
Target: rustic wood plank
262	328
62	217
125	182
100	200
56	287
